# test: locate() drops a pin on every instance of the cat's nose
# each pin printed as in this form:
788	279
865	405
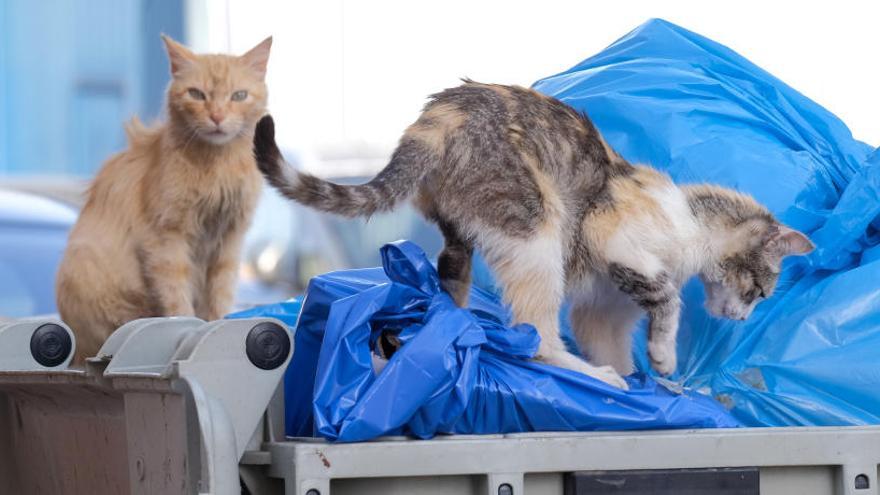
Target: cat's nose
217	117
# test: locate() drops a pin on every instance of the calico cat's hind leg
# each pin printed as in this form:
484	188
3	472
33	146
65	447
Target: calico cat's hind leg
531	274
454	264
603	322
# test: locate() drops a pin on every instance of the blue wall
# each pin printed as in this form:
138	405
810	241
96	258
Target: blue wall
72	72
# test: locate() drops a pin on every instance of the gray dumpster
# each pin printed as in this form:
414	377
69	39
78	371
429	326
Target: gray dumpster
168	406
181	406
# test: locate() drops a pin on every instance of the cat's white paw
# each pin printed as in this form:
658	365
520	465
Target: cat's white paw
603	373
608	375
663	357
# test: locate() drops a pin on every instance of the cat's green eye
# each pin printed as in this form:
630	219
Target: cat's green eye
239	95
196	93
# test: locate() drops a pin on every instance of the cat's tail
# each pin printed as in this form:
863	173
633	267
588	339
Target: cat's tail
393	184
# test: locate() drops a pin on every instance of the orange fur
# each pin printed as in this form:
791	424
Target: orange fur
161	231
630	200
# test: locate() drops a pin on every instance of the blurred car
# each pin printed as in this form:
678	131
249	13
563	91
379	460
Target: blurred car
33	233
288	243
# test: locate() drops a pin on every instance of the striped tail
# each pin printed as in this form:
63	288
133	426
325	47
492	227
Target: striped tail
394	183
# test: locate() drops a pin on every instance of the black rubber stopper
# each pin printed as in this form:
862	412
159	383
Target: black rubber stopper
267	345
50	345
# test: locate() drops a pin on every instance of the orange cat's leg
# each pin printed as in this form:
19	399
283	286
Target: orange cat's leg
221	276
166	268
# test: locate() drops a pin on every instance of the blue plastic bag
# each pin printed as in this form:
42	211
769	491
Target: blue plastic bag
809	355
458	371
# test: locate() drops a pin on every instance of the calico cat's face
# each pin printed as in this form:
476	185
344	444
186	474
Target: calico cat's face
748	275
217	98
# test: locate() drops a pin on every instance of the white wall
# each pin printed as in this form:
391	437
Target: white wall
355	73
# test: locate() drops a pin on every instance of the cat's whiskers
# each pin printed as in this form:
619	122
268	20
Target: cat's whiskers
193	132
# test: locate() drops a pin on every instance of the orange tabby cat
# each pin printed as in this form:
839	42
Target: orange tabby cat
162	228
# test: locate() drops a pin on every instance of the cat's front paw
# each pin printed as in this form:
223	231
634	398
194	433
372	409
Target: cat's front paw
606	374
663	357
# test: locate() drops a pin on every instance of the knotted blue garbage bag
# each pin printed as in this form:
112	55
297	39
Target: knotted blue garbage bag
810	355
457	371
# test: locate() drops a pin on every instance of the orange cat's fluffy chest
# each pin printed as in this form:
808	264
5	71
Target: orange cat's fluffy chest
225	205
206	199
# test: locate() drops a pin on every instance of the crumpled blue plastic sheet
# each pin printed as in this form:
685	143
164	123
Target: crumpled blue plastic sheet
809	355
458	370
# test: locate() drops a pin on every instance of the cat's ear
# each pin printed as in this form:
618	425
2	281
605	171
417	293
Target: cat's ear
258	56
784	241
178	55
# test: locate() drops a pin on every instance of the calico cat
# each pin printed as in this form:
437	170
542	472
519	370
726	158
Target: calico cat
557	212
161	230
